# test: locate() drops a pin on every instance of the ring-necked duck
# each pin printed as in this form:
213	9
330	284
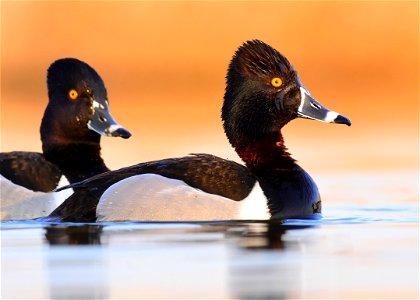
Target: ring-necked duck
76	116
263	93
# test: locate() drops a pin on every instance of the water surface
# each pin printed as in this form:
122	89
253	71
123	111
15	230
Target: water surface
358	250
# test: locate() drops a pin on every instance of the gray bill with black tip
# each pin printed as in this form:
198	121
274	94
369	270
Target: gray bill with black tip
311	109
103	123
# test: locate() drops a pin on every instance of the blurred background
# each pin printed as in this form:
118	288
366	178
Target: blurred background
164	65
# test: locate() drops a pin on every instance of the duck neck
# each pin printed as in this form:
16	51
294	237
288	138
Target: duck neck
266	153
289	190
77	152
77	161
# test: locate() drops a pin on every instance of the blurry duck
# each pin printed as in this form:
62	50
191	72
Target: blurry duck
76	116
263	93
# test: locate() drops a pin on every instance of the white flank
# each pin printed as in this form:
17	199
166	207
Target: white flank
254	207
19	203
151	197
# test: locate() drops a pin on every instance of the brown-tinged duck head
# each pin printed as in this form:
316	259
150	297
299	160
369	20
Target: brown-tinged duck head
263	93
78	107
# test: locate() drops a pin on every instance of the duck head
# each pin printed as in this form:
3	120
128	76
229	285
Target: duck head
78	107
263	93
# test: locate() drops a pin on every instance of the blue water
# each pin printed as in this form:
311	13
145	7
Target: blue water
365	246
334	214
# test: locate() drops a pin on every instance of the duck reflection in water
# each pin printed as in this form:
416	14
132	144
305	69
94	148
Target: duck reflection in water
74	270
267	235
264	265
74	235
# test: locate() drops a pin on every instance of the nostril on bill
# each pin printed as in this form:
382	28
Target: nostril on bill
315	105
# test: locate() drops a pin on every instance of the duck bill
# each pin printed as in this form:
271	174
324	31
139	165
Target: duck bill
103	123
311	109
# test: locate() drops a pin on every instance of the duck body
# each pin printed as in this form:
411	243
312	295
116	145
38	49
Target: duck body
76	116
263	93
197	176
129	200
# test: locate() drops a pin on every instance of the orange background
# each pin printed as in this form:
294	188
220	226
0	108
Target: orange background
164	65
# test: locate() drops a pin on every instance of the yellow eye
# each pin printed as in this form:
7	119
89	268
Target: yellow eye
276	82
73	94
